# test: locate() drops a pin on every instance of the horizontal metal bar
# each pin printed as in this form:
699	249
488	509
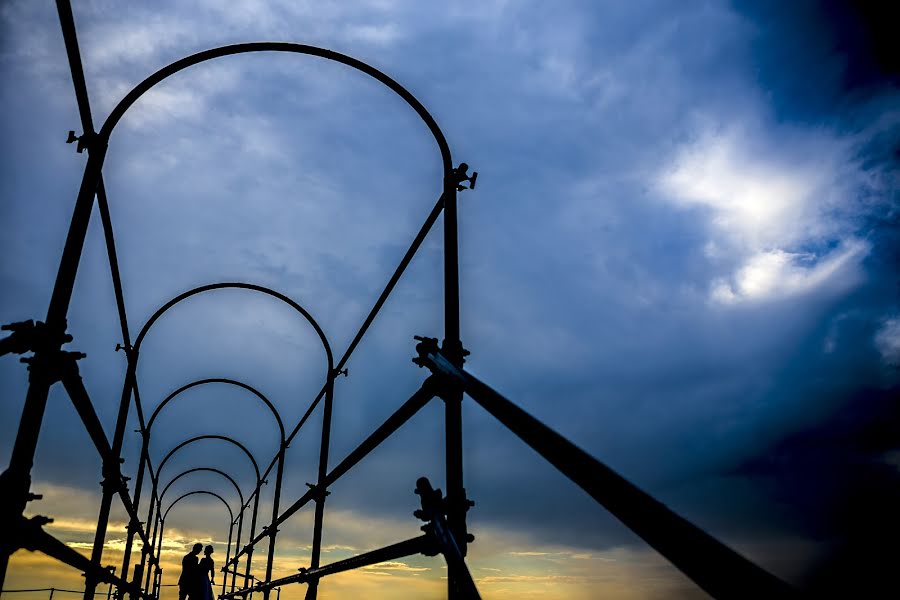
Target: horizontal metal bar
226	571
44	590
716	568
403	414
393	552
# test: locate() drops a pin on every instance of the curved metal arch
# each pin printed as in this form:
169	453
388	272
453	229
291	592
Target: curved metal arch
211	470
119	111
183	496
224	438
199	382
242	286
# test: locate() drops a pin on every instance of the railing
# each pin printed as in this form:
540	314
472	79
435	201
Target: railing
712	565
52	591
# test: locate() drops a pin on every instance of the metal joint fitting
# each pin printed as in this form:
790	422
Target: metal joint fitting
318	495
31	336
54	365
460	175
84	140
426	346
134	526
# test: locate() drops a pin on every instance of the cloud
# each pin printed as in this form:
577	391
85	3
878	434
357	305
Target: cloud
887	341
397	566
112	43
636	178
385	34
785	208
777	274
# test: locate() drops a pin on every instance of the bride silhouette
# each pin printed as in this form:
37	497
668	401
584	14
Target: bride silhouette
206	570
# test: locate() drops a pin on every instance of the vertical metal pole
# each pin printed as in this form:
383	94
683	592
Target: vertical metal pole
157	583
110	487
237	546
456	494
313	585
136	580
162	526
252	529
451	265
273	530
227	554
16	480
138	486
152	566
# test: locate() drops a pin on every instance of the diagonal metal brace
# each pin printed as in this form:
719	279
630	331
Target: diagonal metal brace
433	511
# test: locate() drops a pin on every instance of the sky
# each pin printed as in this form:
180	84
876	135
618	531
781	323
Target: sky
681	254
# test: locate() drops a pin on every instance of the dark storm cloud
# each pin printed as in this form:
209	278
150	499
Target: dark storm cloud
839	480
814	55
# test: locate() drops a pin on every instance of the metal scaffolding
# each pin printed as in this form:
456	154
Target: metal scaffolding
713	566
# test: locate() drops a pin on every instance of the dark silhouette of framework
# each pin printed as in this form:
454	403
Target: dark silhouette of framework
712	565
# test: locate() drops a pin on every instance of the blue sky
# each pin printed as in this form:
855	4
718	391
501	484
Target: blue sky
681	252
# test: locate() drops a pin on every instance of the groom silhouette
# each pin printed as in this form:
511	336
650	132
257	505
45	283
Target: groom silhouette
187	583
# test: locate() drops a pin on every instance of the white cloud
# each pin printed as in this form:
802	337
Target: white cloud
139	41
378	34
396	566
887	341
768	202
760	194
778	274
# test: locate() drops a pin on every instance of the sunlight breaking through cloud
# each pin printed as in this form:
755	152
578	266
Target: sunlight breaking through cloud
775	209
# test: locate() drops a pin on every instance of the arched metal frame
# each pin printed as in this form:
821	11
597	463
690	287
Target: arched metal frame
130	382
709	563
240	518
149	428
208	436
239	521
222	380
93	171
119	111
18	474
193	493
184	473
146	440
253	514
144	462
240	286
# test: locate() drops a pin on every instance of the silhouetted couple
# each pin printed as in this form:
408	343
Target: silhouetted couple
197	576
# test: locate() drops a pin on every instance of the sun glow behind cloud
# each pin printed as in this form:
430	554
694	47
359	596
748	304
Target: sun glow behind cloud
779	274
505	565
783	215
